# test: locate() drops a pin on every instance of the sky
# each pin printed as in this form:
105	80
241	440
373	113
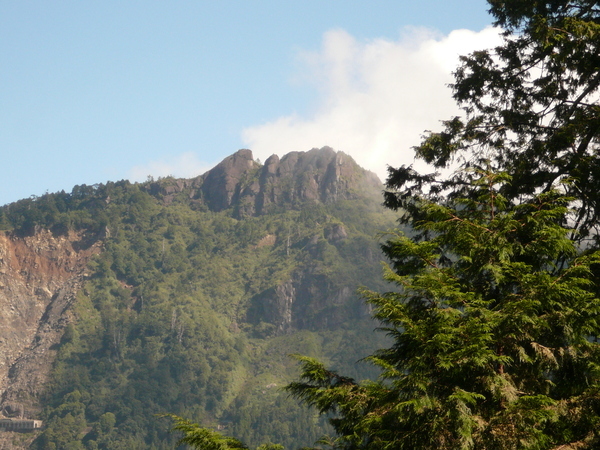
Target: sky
102	91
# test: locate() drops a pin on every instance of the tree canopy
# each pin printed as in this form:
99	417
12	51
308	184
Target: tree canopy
495	313
531	109
495	318
493	323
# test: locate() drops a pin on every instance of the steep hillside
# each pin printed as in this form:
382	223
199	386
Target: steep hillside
39	278
198	291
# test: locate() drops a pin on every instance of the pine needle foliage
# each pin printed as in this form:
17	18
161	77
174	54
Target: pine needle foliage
494	324
530	105
202	438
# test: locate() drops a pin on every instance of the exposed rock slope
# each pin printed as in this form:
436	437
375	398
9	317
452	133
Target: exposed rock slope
319	175
39	277
206	273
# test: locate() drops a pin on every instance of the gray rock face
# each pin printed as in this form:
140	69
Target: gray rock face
319	175
225	181
335	233
306	301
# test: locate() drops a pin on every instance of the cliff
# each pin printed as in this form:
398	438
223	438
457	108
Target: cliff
319	175
39	278
122	300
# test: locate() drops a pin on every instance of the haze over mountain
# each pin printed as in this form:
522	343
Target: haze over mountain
119	301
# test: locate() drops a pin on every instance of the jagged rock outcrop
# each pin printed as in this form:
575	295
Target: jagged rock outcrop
39	278
304	287
306	301
223	183
335	233
319	175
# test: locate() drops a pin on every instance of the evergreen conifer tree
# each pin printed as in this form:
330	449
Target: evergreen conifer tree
493	325
532	110
495	317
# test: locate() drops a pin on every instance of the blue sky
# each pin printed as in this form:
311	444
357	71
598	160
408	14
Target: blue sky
97	91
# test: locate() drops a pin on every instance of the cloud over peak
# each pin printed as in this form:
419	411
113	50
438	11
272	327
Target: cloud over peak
375	98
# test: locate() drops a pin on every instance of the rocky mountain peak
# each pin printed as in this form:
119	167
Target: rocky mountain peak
220	183
251	189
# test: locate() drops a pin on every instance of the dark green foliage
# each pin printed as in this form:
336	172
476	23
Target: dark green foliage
531	109
494	325
163	318
495	318
85	208
203	438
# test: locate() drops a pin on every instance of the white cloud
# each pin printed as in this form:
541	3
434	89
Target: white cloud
376	97
186	165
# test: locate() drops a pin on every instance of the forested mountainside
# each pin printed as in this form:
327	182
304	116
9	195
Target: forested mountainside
121	301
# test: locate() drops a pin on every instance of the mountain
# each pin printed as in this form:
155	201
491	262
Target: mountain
121	301
319	176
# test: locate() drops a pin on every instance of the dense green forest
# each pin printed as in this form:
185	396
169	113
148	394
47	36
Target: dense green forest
173	317
494	305
202	291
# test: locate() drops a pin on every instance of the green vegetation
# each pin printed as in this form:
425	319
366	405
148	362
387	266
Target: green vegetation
531	108
179	314
494	319
204	438
494	325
